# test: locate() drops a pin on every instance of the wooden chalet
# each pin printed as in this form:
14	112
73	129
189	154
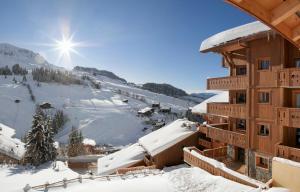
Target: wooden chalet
261	118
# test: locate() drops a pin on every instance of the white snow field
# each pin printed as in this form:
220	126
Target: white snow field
16	177
99	114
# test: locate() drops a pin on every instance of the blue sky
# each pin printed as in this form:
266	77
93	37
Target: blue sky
139	40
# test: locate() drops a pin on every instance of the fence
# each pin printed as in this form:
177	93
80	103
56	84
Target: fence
64	183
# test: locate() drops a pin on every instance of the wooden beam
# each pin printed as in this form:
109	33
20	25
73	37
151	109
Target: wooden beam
275	16
296	33
284	10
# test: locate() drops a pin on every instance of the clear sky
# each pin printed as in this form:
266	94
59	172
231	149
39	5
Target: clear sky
139	40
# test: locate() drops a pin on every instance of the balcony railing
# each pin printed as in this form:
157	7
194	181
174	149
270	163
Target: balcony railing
228	83
289	77
229	137
205	143
194	157
226	109
288	116
288	152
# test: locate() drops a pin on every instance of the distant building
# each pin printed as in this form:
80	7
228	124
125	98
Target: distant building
45	105
147	111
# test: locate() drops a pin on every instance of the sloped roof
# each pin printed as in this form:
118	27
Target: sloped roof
121	159
167	136
233	34
202	107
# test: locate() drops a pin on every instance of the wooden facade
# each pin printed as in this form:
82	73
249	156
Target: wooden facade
263	111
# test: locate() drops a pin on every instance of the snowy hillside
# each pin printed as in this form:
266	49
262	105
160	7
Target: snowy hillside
10	55
101	114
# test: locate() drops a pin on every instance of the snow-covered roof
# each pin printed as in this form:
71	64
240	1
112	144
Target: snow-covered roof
9	146
167	136
87	141
235	33
121	159
202	107
145	110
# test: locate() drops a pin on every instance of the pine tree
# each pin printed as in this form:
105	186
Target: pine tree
40	144
75	146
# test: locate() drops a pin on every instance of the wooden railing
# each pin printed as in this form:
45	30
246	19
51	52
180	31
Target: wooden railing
288	116
215	152
202	129
228	83
229	137
205	143
289	77
196	159
226	109
288	152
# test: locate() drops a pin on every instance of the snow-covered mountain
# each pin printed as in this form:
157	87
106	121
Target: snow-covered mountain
107	115
10	55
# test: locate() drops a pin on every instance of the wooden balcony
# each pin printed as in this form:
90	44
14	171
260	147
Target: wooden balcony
228	83
289	117
288	152
205	143
226	109
289	77
229	137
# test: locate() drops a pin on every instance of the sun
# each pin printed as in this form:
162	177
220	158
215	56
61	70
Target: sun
65	46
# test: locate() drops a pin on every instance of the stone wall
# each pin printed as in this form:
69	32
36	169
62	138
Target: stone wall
256	172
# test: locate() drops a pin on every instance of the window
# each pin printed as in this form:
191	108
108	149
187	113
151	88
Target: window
241	124
262	162
297	62
264	64
263	130
241	70
240	97
264	97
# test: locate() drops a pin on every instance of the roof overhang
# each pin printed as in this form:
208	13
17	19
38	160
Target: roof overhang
282	16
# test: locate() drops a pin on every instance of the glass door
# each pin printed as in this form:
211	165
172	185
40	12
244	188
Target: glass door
297	105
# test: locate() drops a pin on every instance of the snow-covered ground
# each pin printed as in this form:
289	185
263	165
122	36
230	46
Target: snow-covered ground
16	177
99	114
174	179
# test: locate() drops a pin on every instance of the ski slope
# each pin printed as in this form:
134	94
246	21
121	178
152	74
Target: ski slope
99	114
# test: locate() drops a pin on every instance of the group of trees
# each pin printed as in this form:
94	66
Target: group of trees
5	71
18	70
40	139
53	75
75	146
59	120
94	84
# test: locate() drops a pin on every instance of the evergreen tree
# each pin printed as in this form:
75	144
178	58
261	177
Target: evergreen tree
40	143
75	146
